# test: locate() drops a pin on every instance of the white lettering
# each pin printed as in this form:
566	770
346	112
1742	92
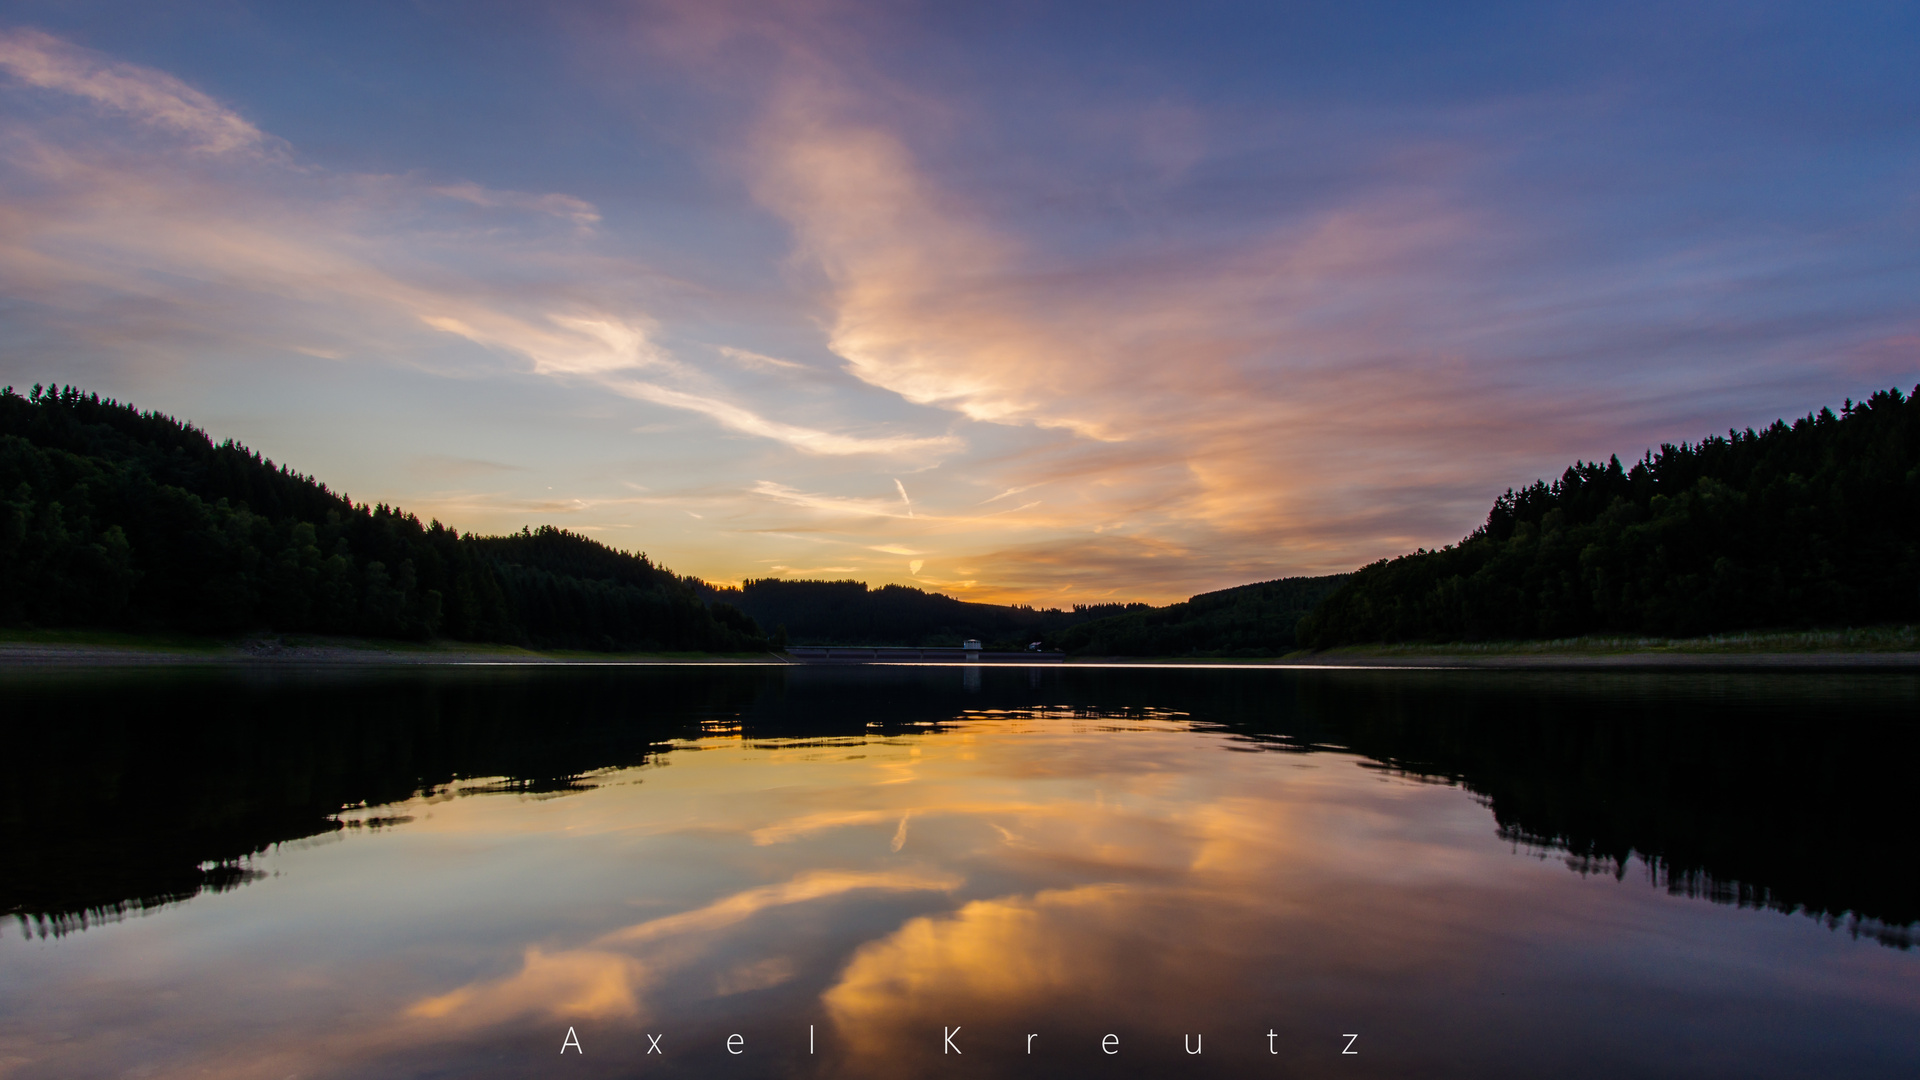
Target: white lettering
1109	1043
1350	1039
809	1038
573	1041
1030	1039
1195	1048
654	1047
1271	1035
734	1043
946	1037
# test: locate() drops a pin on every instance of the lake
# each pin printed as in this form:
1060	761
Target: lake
757	871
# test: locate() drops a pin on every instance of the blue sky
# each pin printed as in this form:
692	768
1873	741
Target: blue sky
1038	302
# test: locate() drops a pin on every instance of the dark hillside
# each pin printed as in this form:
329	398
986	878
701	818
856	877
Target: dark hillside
1813	523
117	519
1248	620
851	613
567	554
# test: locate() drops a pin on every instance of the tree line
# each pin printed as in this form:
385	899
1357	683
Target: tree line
1246	621
115	518
852	613
1813	523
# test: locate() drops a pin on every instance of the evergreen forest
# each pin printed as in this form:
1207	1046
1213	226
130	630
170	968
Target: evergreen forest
1814	523
113	518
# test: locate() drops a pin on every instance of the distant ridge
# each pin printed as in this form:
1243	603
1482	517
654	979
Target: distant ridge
1250	621
852	613
1256	620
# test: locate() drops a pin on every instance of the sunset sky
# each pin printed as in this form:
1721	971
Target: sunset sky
1038	302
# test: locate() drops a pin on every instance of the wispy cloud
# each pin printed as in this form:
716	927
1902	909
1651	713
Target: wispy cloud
448	465
829	504
142	94
568	345
610	976
813	441
1144	342
757	360
1260	402
295	235
1009	492
578	211
937	305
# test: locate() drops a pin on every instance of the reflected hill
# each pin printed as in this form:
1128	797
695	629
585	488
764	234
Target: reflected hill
127	791
123	792
1777	792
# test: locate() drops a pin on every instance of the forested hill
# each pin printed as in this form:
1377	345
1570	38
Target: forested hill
851	613
1249	620
117	519
1245	621
1813	523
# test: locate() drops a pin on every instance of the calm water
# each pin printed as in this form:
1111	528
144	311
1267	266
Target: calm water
1084	872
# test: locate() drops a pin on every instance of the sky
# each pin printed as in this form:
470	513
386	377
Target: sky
1034	302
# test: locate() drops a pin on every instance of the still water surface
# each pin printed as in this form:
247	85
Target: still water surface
762	872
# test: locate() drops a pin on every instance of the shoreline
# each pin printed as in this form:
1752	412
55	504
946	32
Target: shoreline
27	653
1626	661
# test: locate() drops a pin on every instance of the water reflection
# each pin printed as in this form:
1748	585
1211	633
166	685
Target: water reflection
1260	861
1741	789
1757	791
123	792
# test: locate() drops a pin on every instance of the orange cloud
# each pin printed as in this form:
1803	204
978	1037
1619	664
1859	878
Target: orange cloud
1229	409
610	977
1130	417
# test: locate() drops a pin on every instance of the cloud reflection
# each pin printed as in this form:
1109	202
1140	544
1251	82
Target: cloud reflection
611	976
1065	872
1011	954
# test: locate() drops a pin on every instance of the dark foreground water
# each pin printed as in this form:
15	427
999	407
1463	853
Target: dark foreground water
904	872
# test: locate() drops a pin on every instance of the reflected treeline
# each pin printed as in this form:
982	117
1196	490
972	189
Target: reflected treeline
123	792
1789	792
1783	791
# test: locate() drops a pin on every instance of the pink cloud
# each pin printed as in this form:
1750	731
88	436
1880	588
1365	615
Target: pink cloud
151	97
